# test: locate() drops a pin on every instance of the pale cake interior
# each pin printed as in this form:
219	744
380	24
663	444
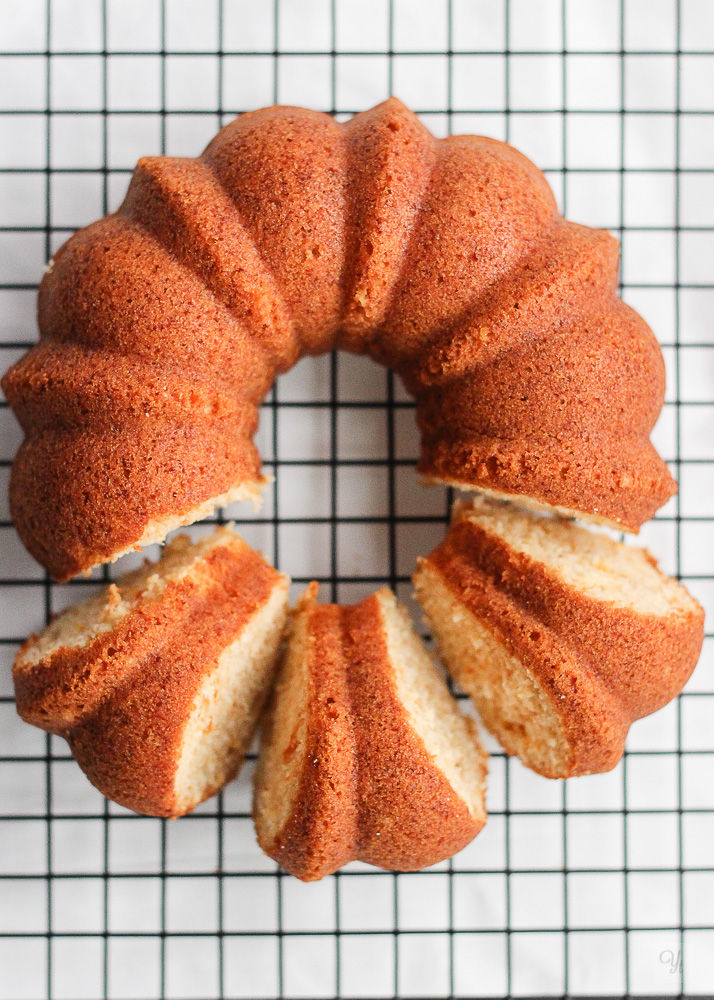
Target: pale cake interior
591	563
226	710
284	739
511	703
450	738
530	503
157	530
80	624
512	706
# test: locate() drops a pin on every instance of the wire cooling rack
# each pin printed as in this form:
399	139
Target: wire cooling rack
599	886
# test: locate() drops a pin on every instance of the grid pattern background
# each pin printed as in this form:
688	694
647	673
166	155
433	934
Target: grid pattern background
601	885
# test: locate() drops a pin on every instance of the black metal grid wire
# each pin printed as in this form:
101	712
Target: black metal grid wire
43	933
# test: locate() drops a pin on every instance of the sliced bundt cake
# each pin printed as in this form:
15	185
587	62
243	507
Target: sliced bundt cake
562	637
365	754
157	682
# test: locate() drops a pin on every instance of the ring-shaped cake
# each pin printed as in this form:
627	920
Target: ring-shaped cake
163	326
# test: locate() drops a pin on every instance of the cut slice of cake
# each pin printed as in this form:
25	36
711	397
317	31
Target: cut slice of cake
365	754
562	637
157	682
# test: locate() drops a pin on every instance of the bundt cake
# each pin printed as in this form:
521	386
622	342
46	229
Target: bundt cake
561	636
157	682
163	325
365	754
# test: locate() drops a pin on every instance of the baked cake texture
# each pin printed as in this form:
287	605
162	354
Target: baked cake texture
157	682
365	754
561	636
163	326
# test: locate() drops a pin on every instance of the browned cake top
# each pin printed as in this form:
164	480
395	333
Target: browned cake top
368	761
606	637
163	326
119	675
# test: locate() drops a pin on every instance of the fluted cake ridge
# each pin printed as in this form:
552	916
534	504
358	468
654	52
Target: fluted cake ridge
163	326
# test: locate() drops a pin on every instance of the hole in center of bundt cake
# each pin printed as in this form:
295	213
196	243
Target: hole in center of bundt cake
338	434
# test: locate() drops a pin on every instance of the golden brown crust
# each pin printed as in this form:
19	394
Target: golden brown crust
123	700
484	205
285	169
391	156
556	472
445	260
601	666
78	483
321	833
569	262
183	205
369	790
409	815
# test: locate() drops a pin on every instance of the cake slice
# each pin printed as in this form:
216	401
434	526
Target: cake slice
561	637
157	681
365	754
